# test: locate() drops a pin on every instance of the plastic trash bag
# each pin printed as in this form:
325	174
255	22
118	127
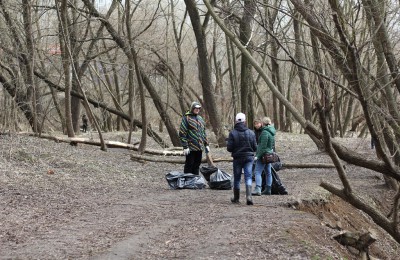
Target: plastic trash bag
207	171
180	180
220	180
277	165
277	187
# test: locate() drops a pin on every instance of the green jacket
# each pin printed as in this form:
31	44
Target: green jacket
266	141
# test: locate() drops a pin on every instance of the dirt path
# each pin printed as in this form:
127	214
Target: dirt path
102	205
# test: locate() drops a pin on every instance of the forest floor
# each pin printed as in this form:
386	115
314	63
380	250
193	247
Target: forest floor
59	201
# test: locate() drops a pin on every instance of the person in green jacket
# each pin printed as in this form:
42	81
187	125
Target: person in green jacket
266	144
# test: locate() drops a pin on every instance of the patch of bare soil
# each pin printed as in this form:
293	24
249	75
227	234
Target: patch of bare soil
77	202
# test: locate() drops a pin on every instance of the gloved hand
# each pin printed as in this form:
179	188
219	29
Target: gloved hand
255	158
186	151
207	149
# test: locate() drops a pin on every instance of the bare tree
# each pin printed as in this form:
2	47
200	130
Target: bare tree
279	113
299	54
348	61
124	45
29	62
9	78
205	72
65	48
178	39
246	83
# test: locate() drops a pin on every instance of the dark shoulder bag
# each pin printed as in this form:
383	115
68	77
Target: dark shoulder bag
269	158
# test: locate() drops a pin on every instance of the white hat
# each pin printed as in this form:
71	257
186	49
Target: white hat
240	117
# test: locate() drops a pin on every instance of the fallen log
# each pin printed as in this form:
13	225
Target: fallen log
80	140
165	159
307	165
110	144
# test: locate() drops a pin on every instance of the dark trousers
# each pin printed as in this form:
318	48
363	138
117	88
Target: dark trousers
193	161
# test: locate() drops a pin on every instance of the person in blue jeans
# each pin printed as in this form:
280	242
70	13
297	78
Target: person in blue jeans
266	143
242	144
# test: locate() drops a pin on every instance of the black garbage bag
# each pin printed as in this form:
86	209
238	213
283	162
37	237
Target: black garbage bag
207	171
277	187
180	180
220	180
277	165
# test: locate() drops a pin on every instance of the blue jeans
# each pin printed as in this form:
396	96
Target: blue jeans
246	164
260	167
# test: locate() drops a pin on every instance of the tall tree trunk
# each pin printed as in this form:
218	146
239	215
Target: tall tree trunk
142	97
278	108
131	96
178	40
219	90
171	128
205	72
350	107
261	99
75	49
324	91
29	62
246	83
307	107
133	63
66	63
230	49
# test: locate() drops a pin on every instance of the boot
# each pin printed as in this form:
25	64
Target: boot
267	191
248	195
263	187
257	191
236	195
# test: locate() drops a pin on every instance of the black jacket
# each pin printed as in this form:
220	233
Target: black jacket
241	141
258	133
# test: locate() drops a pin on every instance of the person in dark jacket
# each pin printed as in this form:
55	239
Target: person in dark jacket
266	144
257	125
85	123
242	144
192	134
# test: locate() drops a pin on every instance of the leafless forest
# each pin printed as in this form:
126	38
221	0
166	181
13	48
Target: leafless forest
326	68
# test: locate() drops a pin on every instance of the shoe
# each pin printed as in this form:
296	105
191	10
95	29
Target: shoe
249	200
236	195
267	191
257	191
